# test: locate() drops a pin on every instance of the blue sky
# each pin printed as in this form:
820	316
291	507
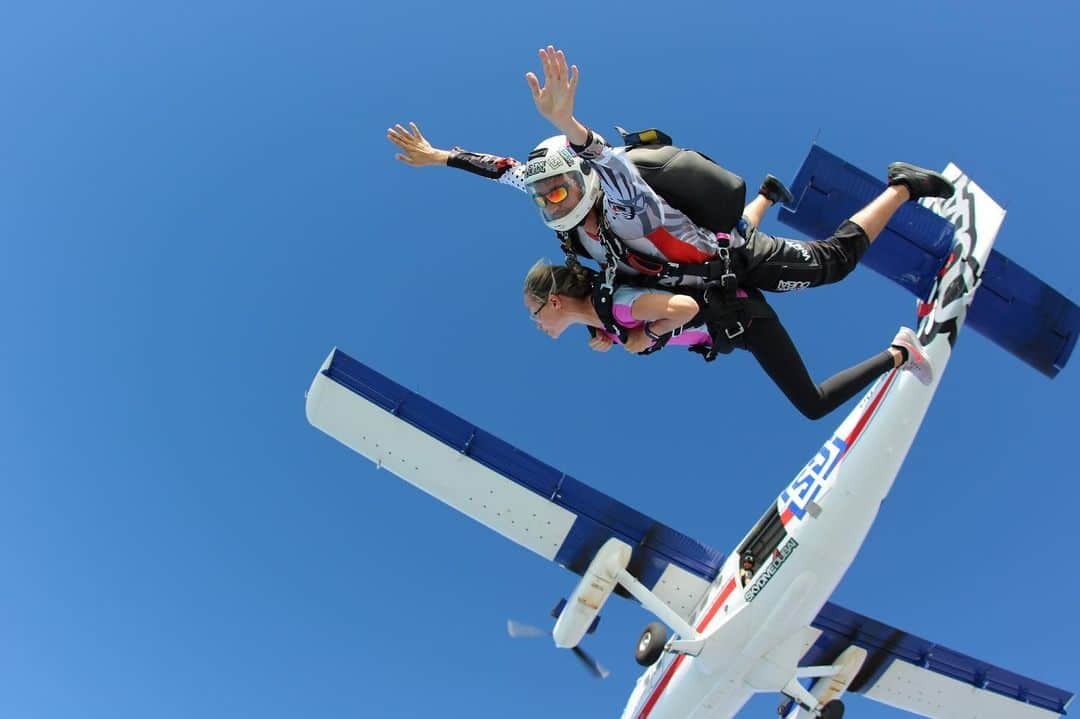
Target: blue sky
197	202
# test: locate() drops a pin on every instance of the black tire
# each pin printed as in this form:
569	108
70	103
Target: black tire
651	644
833	710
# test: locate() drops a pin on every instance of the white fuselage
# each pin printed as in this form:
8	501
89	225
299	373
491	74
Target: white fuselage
756	634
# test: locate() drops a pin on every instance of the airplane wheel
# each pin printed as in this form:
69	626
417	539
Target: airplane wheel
833	710
651	644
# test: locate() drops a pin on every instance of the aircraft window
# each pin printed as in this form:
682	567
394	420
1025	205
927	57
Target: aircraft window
760	543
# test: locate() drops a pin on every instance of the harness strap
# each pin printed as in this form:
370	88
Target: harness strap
727	322
603	301
654	271
718	269
724	314
660	342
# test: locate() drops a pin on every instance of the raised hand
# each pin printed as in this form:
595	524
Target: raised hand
555	99
416	151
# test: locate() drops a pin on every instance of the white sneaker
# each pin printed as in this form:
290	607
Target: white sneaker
917	362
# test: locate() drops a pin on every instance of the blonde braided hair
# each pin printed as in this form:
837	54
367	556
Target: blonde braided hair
571	280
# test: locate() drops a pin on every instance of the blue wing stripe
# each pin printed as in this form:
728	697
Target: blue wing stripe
598	515
842	627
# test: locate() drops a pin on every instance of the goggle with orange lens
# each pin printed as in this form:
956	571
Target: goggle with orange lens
553	197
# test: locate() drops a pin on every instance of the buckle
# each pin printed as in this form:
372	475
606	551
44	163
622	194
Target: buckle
726	278
732	335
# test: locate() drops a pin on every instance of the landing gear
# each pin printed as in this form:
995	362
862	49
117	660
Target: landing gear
651	645
832	710
828	710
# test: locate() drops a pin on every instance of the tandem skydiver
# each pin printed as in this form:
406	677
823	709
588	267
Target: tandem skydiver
596	199
560	296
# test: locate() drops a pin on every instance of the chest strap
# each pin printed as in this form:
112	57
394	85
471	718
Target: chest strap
719	270
724	314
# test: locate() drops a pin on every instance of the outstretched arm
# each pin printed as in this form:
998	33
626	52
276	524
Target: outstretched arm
416	151
628	195
555	99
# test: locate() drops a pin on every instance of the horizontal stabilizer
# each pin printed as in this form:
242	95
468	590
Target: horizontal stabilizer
1025	315
1013	309
497	484
924	678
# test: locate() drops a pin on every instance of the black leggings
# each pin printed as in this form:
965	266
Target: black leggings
771	346
776	264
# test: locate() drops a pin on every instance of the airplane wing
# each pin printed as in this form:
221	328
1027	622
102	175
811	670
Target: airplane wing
518	496
924	678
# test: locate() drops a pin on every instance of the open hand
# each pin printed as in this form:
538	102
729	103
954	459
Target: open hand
555	100
416	150
600	342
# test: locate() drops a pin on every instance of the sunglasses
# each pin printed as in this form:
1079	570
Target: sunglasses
535	313
552	197
543	304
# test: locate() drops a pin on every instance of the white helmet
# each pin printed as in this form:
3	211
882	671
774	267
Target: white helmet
562	186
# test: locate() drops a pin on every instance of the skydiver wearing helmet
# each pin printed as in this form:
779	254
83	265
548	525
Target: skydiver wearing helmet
570	198
601	178
595	197
563	187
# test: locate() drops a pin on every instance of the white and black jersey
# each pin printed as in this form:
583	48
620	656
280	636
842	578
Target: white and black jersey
635	212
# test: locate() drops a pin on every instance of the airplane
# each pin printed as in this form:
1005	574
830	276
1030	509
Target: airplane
758	619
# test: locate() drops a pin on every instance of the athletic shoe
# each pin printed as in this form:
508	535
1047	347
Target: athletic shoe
775	191
919	181
917	362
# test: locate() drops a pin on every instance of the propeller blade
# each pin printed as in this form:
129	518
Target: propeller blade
518	630
594	666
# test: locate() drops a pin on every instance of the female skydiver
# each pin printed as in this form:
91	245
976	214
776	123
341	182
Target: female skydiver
558	297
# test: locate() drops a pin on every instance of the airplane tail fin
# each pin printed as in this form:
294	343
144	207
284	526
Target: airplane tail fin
944	240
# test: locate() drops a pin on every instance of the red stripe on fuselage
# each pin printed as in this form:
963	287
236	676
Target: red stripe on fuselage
675	249
786	516
724	594
865	419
